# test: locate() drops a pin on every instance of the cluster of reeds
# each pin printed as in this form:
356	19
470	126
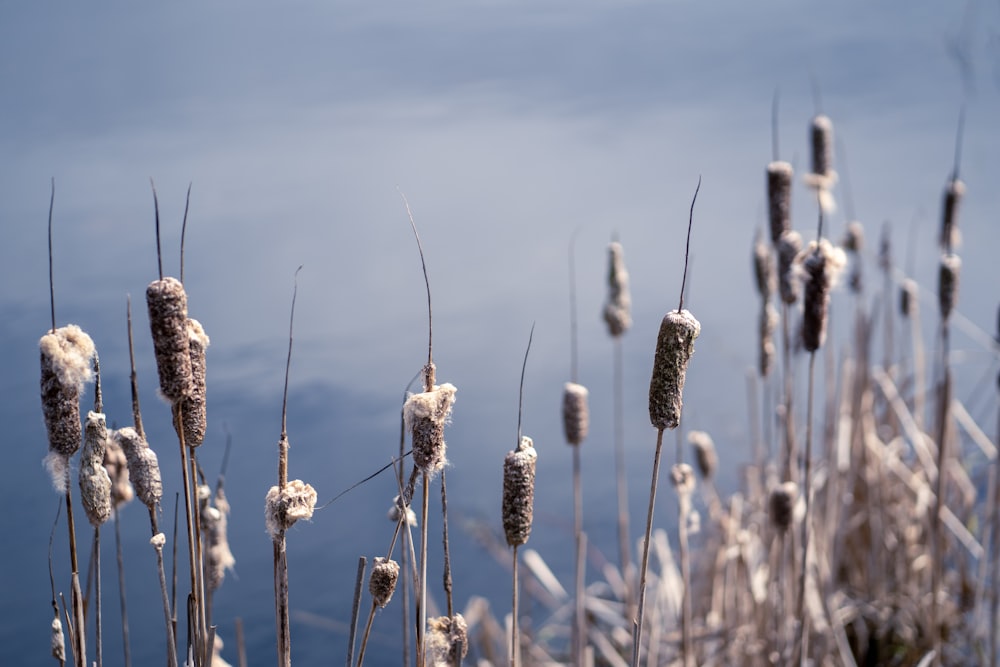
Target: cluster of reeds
872	542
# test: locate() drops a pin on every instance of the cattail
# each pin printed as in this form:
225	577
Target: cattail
948	283
117	466
674	347
779	198
215	522
854	237
143	466
704	453
821	140
576	414
95	483
445	636
58	641
763	268
953	194
768	323
65	355
425	415
283	507
618	309
382	582
781	505
167	304
821	264
682	477
399	509
788	248
194	415
519	492
908	297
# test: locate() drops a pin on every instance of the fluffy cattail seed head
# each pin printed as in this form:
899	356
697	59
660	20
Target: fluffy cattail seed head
425	415
58	641
779	198
143	466
575	413
821	264
682	477
215	524
117	466
763	268
382	582
194	415
788	248
519	492
781	505
953	194
618	309
704	453
65	358
447	640
283	507
95	483
767	325
399	509
948	283
167	305
908	298
674	347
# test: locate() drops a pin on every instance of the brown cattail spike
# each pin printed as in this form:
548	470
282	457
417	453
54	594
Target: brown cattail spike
425	416
779	198
682	477
821	140
854	237
821	264
194	414
953	194
951	264
117	466
95	483
674	347
167	304
283	507
768	323
215	523
382	582
908	296
65	358
447	640
519	492
704	453
781	505
143	466
575	413
788	248
763	268
618	309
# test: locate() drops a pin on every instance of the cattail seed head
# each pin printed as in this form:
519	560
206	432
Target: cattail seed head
821	141
283	507
821	264
167	305
953	194
767	325
95	483
519	492
682	477
788	248
143	466
65	358
779	198
399	509
763	268
425	416
674	347
951	264
575	413
704	453
781	505
618	309
382	582
58	641
215	528
447	640
854	237
194	415
908	298
117	466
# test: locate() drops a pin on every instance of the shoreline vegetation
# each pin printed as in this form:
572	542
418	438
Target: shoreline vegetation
864	530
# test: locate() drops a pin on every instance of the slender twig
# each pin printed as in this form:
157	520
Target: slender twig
120	562
52	578
637	624
52	289
355	609
184	224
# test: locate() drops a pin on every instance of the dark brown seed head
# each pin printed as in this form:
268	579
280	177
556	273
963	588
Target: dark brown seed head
382	582
854	237
821	266
908	298
781	505
425	416
788	248
65	359
95	483
575	413
704	453
618	309
167	305
763	268
953	194
674	347
194	414
821	140
951	264
143	466
519	492
779	198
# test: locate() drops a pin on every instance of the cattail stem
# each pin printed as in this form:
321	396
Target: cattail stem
936	534
802	643
422	589
79	634
637	624
621	483
995	555
515	647
447	551
355	610
157	542
281	601
98	652
120	562
579	622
